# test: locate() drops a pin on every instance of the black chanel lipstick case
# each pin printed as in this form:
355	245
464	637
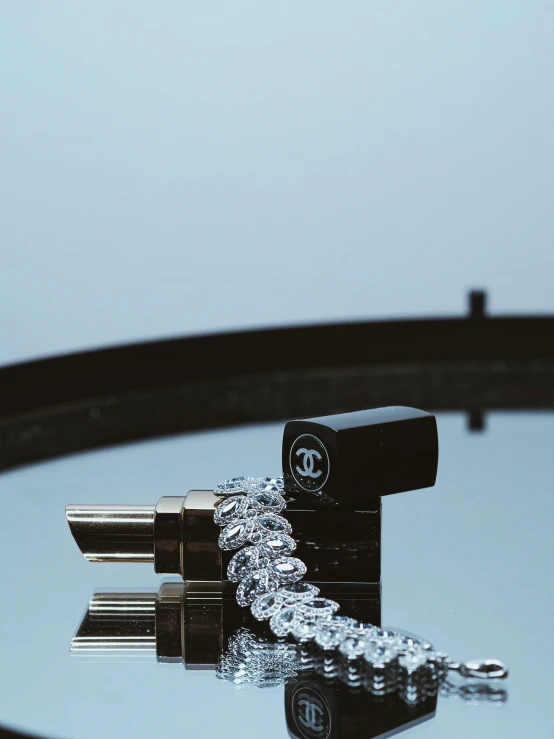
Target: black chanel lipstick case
336	470
353	458
178	536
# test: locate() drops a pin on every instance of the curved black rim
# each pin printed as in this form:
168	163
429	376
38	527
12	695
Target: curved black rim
76	402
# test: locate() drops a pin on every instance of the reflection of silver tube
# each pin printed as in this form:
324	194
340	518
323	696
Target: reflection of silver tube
117	643
179	622
190	622
128	605
118	622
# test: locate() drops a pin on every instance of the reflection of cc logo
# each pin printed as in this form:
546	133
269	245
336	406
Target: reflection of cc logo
310	712
309	464
310	715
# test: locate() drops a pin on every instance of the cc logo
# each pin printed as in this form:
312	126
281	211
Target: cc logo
309	715
308	466
309	463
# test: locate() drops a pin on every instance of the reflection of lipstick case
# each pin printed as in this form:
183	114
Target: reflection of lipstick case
194	623
315	708
191	622
178	536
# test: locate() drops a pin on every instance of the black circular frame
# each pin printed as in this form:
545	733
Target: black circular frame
60	405
81	401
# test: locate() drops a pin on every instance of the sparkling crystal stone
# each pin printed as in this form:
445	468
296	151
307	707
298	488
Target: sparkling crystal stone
232	486
366	631
266	502
304	629
329	635
274	524
403	639
288	569
249	486
270	488
265	499
298	588
317	604
231	508
234	535
252	659
272	482
266	605
256	485
271	525
412	659
250	589
379	654
353	647
243	485
278	546
242	563
298	592
232	481
369	627
439	660
257	583
282	621
284	568
345	621
319	607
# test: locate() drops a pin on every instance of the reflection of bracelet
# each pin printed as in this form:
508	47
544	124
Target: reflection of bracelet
253	659
270	582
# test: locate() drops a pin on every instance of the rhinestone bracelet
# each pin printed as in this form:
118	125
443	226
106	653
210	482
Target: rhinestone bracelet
270	582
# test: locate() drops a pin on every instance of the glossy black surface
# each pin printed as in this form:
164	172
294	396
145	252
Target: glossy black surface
338	544
316	707
453	568
454	571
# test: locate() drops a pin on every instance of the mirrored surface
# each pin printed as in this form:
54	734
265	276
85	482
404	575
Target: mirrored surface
465	564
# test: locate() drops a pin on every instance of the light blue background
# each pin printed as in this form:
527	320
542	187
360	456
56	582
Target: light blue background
173	167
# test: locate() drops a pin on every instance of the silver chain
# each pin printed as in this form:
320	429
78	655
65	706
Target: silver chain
270	581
